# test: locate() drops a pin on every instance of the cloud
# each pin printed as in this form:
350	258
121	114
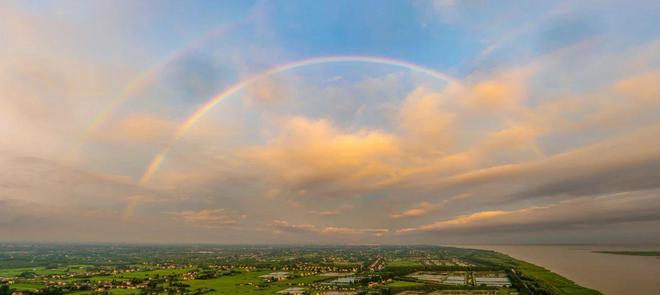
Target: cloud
269	90
379	232
208	218
59	183
445	11
596	168
505	91
587	211
285	226
430	126
16	212
334	212
313	155
140	128
645	87
65	199
422	209
51	87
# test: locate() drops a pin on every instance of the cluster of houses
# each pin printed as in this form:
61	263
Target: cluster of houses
343	283
499	281
275	276
292	291
446	262
62	280
456	292
6	281
302	291
458	278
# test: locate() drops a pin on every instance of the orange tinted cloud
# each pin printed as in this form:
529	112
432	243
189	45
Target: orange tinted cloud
423	209
285	226
462	220
428	123
140	128
504	91
208	218
645	86
305	152
616	208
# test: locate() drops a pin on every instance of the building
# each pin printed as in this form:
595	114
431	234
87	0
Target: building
276	276
492	282
454	280
344	281
437	278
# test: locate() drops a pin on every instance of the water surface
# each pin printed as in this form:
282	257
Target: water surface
607	273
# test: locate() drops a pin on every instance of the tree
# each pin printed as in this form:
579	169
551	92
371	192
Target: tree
5	290
51	291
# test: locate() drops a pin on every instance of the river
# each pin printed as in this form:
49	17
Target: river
607	273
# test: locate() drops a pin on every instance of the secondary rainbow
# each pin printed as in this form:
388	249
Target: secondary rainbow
199	113
147	77
144	80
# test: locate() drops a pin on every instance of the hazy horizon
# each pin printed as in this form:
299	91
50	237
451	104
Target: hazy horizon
466	245
331	122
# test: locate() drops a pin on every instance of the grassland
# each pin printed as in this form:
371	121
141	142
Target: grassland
241	283
404	284
12	272
249	283
403	262
28	286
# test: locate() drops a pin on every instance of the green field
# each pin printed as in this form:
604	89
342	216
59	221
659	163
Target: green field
27	286
404	284
12	272
111	291
402	262
151	273
135	275
242	283
246	283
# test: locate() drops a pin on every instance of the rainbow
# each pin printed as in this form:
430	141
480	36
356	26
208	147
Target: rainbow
199	113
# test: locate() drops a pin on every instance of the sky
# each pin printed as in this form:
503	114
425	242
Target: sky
330	122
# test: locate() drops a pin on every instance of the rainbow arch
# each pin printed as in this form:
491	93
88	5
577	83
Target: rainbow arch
188	123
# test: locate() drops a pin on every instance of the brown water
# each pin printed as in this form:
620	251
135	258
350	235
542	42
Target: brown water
607	273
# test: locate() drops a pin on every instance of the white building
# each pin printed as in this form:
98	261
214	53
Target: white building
276	276
454	280
492	282
292	291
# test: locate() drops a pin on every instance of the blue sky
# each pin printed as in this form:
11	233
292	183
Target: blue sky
434	122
